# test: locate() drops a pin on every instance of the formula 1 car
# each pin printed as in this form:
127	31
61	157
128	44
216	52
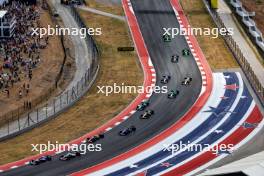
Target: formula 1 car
187	81
175	58
173	94
69	156
166	38
127	131
42	159
142	106
94	138
165	79
147	114
186	52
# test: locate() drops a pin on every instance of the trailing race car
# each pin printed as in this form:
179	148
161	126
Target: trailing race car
127	131
173	94
165	79
94	138
175	58
69	156
142	106
42	159
147	114
187	81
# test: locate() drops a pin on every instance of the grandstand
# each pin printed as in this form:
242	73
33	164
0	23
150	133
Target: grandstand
2	2
7	24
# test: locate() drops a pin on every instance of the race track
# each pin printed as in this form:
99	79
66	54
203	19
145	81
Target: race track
152	16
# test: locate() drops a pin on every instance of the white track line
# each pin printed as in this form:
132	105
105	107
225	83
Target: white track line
253	104
213	100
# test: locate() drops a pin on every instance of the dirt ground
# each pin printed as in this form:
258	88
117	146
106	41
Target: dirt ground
43	76
215	49
106	6
93	109
258	7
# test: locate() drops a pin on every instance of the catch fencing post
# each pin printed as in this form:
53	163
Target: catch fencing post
67	97
78	88
54	106
46	110
18	122
82	83
37	115
28	119
7	125
18	113
60	101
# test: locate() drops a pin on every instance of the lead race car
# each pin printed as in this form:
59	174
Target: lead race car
166	38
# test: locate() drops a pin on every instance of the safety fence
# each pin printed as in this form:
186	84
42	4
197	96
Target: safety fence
234	47
257	38
19	123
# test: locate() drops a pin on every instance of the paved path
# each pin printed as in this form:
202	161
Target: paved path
114	2
82	55
122	18
226	16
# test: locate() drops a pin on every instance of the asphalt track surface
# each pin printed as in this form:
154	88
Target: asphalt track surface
152	16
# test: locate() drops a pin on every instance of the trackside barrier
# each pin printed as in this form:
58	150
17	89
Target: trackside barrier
234	47
248	24
59	104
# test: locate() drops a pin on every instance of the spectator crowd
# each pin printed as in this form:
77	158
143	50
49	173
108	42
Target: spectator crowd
20	54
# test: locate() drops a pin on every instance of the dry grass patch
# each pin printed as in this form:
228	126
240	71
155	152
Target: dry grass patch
94	109
215	49
106	7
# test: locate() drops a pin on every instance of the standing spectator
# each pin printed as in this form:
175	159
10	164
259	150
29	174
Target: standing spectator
29	105
20	94
7	93
27	89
